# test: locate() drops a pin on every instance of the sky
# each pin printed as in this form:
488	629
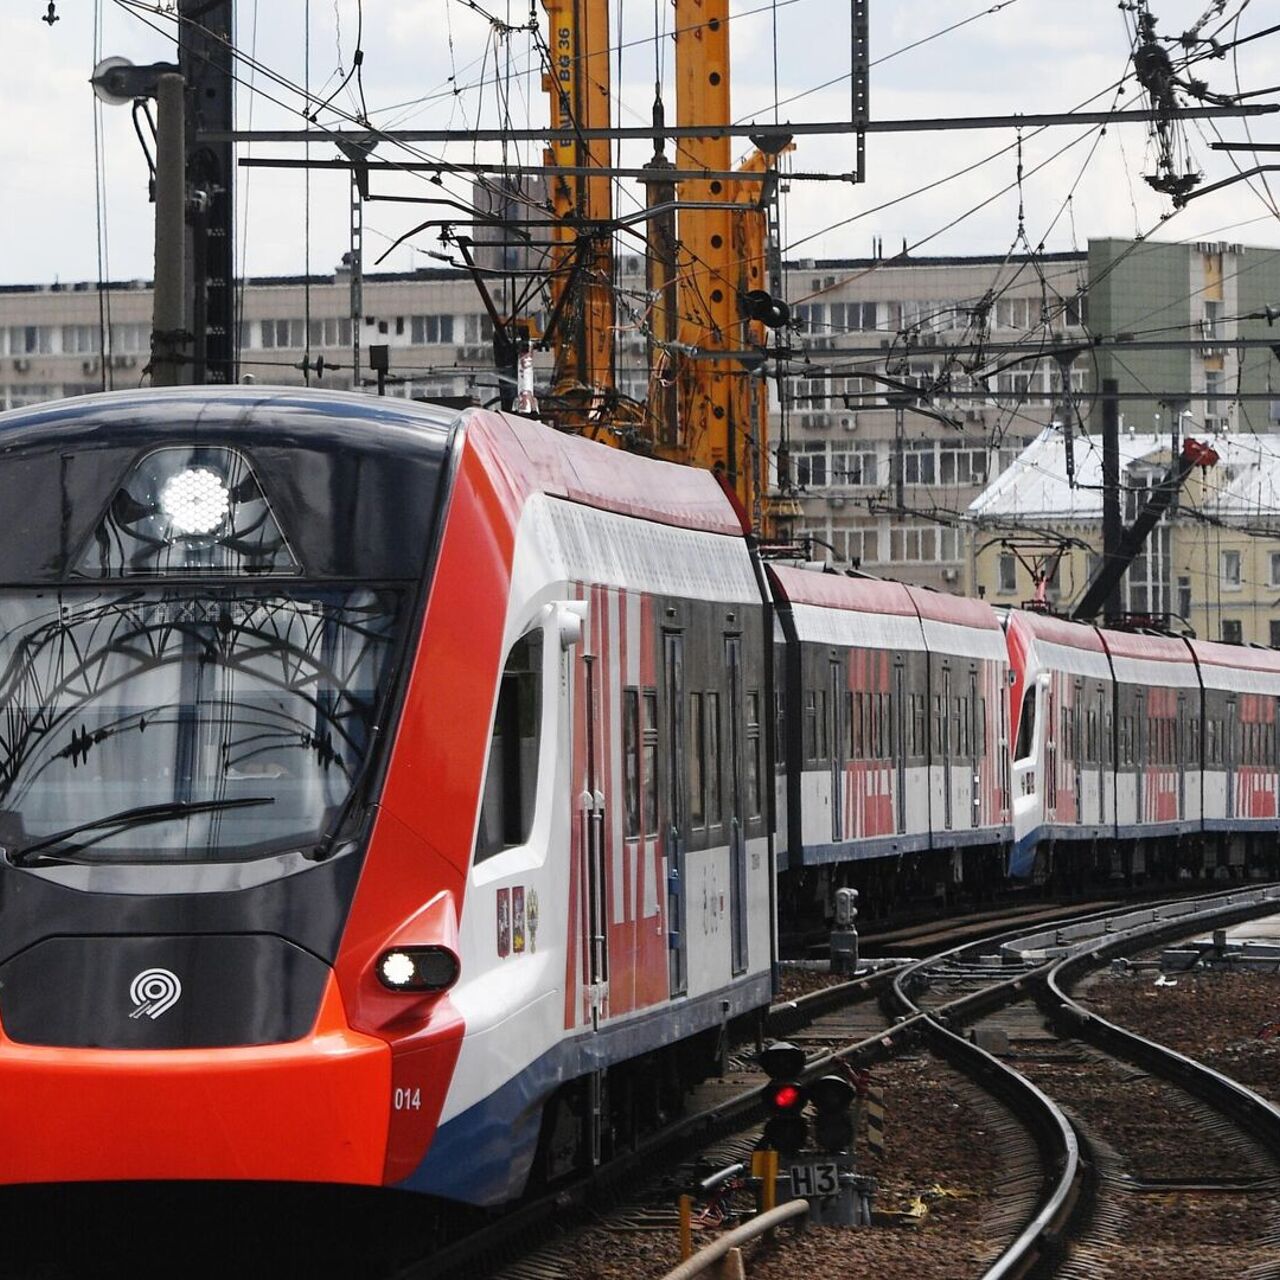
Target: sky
431	64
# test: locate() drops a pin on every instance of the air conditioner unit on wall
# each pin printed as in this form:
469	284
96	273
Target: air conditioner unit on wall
22	366
848	422
1215	423
950	574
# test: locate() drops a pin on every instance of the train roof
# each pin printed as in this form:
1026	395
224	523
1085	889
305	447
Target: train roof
1060	631
835	591
1145	648
1237	667
534	458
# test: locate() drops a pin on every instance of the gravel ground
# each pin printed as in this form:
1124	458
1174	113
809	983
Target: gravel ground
934	1138
1212	1016
793	983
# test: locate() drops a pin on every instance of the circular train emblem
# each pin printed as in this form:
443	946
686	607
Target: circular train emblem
153	991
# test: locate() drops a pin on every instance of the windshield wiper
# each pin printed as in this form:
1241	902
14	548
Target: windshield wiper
135	817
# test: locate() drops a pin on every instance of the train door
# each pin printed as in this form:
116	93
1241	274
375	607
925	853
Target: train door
676	773
972	735
1004	758
1052	744
1230	756
593	816
1180	753
944	729
736	817
1102	748
900	747
1272	747
1078	719
836	685
1141	754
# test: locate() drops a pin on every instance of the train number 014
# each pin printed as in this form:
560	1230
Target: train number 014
407	1099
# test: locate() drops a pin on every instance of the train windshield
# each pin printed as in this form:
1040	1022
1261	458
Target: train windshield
171	723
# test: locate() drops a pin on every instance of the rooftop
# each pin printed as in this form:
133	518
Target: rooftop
1244	484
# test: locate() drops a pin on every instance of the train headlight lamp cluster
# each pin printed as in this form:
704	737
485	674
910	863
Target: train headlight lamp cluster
196	501
418	969
182	509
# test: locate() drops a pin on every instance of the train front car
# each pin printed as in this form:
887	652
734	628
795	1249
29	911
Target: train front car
209	607
345	791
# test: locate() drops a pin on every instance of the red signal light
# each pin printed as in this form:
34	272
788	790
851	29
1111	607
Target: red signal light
785	1097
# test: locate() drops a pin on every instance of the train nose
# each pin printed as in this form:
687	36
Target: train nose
197	1057
161	992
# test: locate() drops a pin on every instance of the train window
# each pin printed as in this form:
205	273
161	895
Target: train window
811	725
982	725
1026	726
753	753
631	760
823	743
714	812
851	706
511	780
939	724
957	727
649	762
780	729
697	762
890	728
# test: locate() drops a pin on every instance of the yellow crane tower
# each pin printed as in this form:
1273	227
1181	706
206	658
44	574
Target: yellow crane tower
703	407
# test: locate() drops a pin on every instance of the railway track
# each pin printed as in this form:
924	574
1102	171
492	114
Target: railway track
1050	1184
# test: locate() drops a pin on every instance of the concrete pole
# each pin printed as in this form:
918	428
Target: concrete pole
168	338
1112	524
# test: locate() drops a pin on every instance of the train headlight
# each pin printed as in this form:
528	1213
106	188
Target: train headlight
196	501
418	968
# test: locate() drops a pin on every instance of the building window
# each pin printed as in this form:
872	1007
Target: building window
1008	574
856	546
1232	631
810	462
1229	569
1184	598
331	331
1211	326
1215	383
430	330
962	464
853	466
919	463
925	545
1274	560
511	780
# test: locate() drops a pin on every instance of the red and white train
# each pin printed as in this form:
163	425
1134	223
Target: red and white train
423	789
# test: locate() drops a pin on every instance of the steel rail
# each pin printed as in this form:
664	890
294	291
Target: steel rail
1044	1119
1252	1112
692	1131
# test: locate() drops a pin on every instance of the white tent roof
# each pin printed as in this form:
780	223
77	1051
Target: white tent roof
1245	484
